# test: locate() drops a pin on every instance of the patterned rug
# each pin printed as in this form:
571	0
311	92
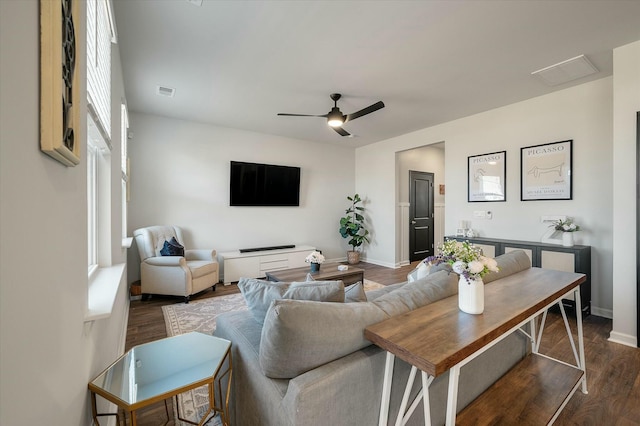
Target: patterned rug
200	315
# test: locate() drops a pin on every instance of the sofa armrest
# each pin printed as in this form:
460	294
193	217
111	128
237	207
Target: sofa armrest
200	254
166	261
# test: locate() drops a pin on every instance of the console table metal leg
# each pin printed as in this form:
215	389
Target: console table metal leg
405	397
426	402
583	365
386	389
452	396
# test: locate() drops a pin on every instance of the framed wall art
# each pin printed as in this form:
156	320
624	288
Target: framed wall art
486	177
59	81
546	171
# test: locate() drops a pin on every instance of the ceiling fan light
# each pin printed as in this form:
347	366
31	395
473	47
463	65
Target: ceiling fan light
335	118
335	122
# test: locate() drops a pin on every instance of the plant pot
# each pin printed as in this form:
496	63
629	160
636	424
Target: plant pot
353	257
315	267
471	295
567	239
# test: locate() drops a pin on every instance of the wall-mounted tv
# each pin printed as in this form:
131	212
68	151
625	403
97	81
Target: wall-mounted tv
254	184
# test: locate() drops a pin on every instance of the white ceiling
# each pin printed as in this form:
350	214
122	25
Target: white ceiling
239	63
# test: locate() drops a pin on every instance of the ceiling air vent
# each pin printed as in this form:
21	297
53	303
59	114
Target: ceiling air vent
165	91
566	71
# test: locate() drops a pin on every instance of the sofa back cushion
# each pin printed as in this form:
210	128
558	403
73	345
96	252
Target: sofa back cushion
298	336
509	264
258	294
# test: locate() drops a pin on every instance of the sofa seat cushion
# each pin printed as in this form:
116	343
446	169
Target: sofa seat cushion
298	336
259	294
200	268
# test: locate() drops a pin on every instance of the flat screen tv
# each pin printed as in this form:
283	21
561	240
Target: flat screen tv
254	184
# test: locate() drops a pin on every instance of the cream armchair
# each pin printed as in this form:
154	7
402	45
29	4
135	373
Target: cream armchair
173	275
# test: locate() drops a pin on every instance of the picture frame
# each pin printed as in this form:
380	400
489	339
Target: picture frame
487	177
60	96
546	171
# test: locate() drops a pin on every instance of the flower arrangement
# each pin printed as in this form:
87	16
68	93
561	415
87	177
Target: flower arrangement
565	225
465	259
314	257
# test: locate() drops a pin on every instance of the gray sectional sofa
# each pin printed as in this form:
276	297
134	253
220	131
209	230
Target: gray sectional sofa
309	364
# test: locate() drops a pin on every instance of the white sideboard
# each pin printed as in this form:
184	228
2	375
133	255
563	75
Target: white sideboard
256	264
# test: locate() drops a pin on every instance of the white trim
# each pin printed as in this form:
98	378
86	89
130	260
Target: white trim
103	288
126	242
602	312
623	339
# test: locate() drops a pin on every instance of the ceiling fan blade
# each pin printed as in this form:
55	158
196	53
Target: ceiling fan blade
368	110
341	131
301	115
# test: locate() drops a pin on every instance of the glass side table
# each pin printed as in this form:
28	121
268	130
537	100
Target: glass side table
159	370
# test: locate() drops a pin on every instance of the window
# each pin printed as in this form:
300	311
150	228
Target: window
105	277
124	166
100	35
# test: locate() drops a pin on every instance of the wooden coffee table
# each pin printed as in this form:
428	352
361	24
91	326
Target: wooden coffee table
328	272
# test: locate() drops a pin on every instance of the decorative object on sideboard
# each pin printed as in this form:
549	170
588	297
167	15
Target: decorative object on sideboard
567	227
315	258
486	177
352	226
467	261
546	171
560	230
462	229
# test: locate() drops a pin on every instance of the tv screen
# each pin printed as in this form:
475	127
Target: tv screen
254	184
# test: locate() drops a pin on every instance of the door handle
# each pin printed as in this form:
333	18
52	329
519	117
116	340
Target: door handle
413	222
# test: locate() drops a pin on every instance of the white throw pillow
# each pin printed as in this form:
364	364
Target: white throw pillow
420	271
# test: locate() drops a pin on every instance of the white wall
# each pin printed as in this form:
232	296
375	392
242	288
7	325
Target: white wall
48	353
423	159
626	102
581	113
180	176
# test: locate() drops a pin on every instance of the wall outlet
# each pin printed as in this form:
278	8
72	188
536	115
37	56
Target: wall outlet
552	218
482	214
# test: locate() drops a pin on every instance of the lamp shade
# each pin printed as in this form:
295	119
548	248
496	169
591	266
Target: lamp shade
335	118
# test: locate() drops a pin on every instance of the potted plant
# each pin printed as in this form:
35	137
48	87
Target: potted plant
352	227
567	227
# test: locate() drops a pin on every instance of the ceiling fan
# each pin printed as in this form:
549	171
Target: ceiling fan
335	118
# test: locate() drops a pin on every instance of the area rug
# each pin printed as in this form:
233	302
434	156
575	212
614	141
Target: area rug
200	315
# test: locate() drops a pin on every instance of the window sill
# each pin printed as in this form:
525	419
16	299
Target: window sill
103	288
126	242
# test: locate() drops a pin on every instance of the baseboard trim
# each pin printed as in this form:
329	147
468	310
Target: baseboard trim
623	339
601	312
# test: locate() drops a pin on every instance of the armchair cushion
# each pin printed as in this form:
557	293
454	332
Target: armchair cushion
172	248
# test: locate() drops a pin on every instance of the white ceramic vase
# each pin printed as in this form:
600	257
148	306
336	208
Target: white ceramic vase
567	239
471	295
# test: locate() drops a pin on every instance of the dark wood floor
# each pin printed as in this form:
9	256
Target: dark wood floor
613	370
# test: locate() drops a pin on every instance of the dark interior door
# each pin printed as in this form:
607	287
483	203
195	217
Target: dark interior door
420	215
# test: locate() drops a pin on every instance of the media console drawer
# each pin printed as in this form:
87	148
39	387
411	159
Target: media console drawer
256	264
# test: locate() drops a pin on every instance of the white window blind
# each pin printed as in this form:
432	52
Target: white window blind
100	34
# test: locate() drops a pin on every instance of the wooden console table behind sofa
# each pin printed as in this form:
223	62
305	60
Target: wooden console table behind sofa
510	303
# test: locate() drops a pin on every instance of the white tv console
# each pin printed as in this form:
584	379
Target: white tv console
256	264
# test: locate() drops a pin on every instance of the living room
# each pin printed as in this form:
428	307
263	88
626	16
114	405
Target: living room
44	204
